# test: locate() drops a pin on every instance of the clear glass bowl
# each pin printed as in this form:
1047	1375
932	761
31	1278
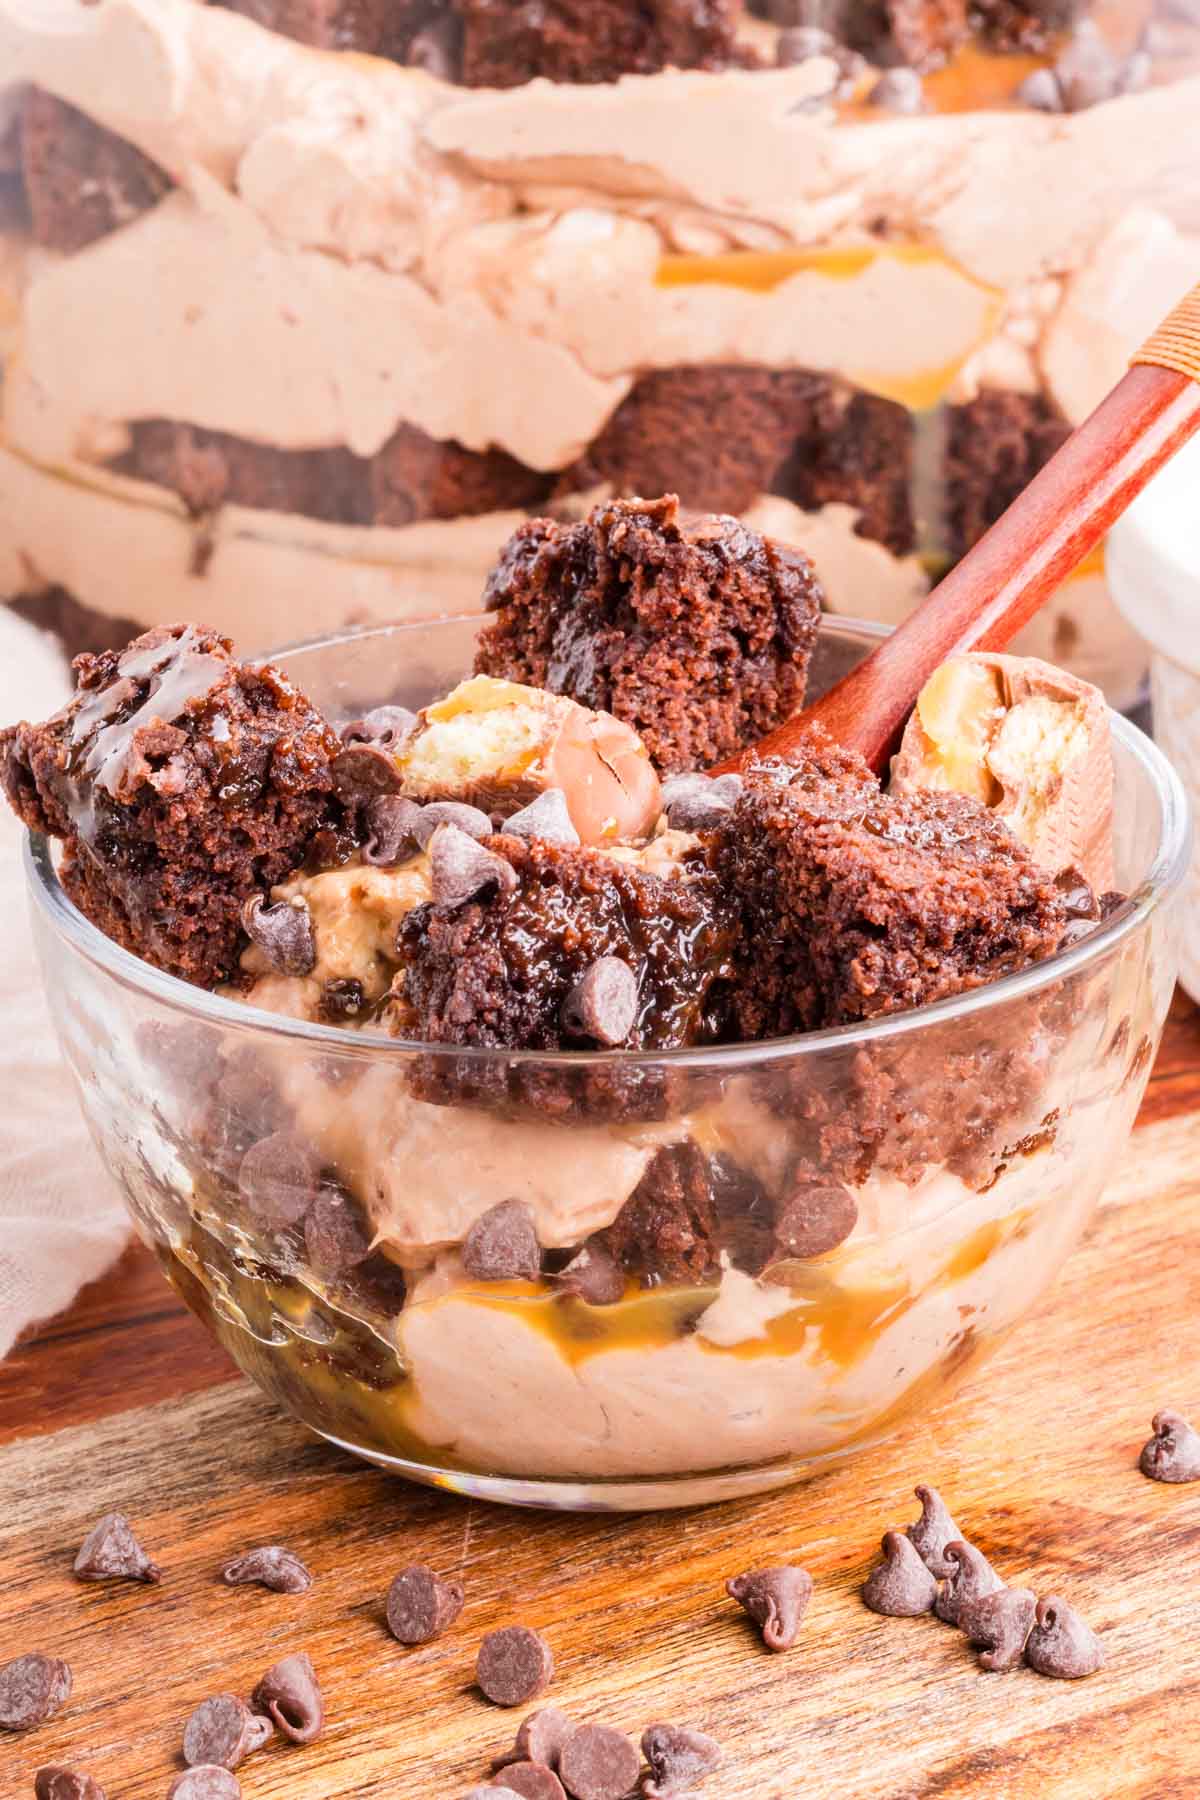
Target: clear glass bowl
974	1137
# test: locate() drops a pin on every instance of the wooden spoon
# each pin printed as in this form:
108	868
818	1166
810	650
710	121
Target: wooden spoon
1027	554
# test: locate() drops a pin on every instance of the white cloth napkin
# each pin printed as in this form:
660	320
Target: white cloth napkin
61	1218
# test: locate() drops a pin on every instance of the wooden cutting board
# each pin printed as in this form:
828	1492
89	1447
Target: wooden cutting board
124	1403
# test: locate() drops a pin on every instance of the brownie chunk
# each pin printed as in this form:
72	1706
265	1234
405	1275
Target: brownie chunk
415	477
857	904
996	445
918	33
209	469
687	1209
857	449
507	42
81	181
184	784
697	634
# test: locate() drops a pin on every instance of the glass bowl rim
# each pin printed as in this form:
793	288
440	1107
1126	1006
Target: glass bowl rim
1164	877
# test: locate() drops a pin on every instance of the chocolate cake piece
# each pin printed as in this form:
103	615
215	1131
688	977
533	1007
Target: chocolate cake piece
507	42
415	477
688	1209
856	904
858	449
81	180
697	633
183	784
918	34
996	444
79	629
210	469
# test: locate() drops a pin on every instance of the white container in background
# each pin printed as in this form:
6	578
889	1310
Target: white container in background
1154	570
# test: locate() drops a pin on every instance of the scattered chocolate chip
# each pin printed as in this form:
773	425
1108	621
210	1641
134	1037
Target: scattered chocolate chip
208	1781
223	1732
284	934
1173	1453
270	1566
342	998
53	1782
420	1607
291	1694
279	1178
776	1599
502	1245
392	835
694	803
541	1736
814	1219
470	819
678	1759
971	1577
514	1665
363	771
110	1552
933	1531
491	1793
461	868
1061	1644
1041	91
598	1763
32	1689
386	726
594	1276
336	1235
1089	71
901	1587
547	818
603	1004
898	91
998	1625
533	1781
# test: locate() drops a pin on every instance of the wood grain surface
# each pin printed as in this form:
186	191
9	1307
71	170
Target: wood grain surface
123	1403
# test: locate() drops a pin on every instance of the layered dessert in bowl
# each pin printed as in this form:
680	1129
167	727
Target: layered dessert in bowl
534	1114
306	303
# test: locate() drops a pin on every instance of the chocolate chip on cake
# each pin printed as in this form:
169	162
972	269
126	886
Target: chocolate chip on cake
933	1531
223	1732
363	772
270	1566
291	1694
546	817
502	1245
111	1552
1061	1643
533	1781
279	1178
598	1763
283	932
461	868
603	1004
1173	1453
392	829
594	1276
420	1607
514	1665
679	1758
386	727
776	1600
208	1781
971	1578
32	1689
814	1218
54	1782
693	803
901	1587
998	1625
470	819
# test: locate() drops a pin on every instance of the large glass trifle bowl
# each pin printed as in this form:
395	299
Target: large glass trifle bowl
845	1222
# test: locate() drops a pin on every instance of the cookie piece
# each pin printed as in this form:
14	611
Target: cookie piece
81	180
696	633
507	42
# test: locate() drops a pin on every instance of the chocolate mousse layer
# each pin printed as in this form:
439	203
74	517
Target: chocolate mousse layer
81	181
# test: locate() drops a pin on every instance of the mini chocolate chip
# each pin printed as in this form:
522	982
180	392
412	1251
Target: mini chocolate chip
971	1577
594	1276
342	998
933	1531
698	809
547	818
461	868
32	1689
208	1781
110	1552
470	819
603	1004
814	1219
502	1245
1078	899
1173	1453
291	1694
541	1736
676	786
54	1782
729	787
998	1625
223	1732
514	1665
1041	91
270	1566
420	1607
1061	1644
363	771
598	1763
279	1178
776	1599
336	1235
533	1781
284	934
392	835
386	726
898	91
678	1758
1088	71
901	1587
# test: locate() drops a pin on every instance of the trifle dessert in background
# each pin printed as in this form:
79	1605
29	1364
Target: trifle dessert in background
306	304
538	1114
